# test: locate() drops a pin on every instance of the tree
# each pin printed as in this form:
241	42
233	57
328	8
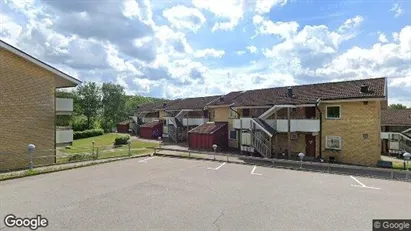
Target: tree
114	101
397	106
89	101
134	101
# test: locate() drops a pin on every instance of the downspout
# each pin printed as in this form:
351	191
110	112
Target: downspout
241	126
321	124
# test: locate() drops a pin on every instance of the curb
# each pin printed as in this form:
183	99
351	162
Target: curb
103	161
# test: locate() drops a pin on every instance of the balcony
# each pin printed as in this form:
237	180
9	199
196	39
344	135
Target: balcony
148	119
298	125
64	106
281	125
193	121
64	135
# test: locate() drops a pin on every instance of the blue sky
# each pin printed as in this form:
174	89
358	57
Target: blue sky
192	48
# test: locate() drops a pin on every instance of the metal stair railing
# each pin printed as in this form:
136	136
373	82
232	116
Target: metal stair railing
259	143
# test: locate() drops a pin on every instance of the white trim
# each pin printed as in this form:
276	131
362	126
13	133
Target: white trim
262	128
352	100
218	106
406	131
251	107
39	63
326	112
333	137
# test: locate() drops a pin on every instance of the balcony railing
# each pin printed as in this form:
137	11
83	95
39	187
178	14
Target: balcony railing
193	121
64	106
64	136
281	125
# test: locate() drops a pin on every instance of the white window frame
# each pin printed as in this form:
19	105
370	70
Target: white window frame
331	118
329	138
236	135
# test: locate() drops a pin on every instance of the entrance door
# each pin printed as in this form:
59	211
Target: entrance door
309	112
310	145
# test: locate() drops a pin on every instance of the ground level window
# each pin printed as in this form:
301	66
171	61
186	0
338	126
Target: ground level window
233	135
333	142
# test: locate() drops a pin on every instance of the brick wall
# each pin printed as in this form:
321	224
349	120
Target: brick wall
357	120
27	111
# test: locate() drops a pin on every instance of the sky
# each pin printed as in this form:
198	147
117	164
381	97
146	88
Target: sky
177	48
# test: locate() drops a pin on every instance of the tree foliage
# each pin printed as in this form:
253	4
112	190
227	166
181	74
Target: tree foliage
397	106
113	102
89	100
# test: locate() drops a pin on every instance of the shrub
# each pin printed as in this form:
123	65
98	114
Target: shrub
88	133
79	123
121	139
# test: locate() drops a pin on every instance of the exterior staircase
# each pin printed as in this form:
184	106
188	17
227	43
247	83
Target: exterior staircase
261	134
174	128
405	143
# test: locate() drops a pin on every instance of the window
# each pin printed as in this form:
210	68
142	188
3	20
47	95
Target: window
333	142
333	112
233	135
246	112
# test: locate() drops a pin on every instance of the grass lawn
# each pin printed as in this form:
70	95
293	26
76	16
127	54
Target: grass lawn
85	145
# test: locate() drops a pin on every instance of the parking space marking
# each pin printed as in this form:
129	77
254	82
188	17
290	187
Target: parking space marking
145	160
218	166
253	173
361	185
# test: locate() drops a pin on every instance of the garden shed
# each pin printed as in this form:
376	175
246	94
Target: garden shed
151	130
205	135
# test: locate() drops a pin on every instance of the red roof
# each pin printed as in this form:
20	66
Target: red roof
151	124
208	128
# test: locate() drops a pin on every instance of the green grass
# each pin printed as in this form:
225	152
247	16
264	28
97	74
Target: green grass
85	145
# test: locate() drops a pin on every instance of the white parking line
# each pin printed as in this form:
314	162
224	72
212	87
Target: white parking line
218	166
145	160
361	185
253	173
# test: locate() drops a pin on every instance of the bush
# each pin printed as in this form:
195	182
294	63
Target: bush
79	123
121	139
88	133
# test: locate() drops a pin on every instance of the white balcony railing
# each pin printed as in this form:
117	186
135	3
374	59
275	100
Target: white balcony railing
193	121
64	106
299	125
64	136
148	119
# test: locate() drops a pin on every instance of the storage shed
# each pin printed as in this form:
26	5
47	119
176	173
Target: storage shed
204	136
151	130
123	127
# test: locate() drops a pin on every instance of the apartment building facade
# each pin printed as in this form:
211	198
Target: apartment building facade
28	108
337	121
396	131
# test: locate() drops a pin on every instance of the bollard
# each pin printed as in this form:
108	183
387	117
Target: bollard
31	148
215	149
129	147
188	154
301	155
93	142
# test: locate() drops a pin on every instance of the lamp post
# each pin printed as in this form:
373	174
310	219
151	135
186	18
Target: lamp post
159	140
407	157
215	149
301	155
129	147
31	148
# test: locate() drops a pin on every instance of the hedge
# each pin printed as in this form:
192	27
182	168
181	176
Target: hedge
88	133
121	139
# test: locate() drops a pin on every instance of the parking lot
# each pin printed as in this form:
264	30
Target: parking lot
175	194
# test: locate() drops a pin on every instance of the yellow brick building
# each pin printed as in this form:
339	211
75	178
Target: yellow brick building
27	107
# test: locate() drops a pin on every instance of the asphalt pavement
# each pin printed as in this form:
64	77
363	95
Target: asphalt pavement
175	194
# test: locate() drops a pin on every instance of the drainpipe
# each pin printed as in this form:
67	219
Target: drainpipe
321	124
241	126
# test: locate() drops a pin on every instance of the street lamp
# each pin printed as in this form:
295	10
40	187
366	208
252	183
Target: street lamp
129	147
215	149
407	157
159	140
301	155
31	148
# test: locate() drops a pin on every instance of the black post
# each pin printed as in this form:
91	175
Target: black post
321	124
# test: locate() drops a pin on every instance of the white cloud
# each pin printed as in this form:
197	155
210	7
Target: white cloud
252	49
267	27
240	52
382	38
350	23
209	52
231	11
398	11
264	6
182	17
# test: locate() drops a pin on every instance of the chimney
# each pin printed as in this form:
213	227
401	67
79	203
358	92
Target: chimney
364	88
290	92
221	98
